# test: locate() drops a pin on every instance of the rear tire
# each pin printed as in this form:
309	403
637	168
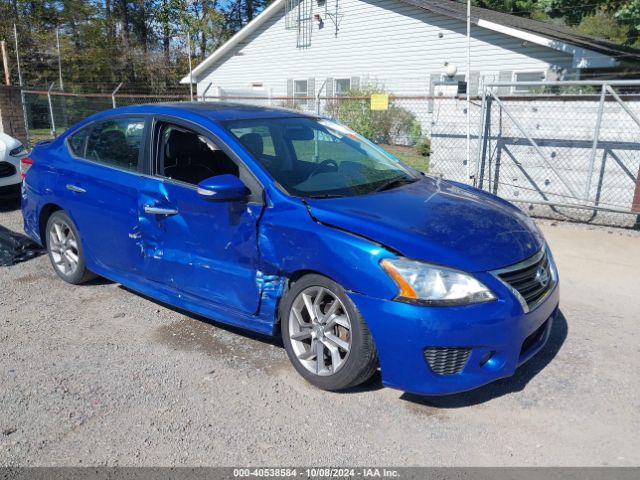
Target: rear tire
65	249
325	336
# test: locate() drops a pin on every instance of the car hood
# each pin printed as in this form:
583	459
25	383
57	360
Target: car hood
439	222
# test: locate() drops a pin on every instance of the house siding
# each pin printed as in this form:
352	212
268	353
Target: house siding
382	42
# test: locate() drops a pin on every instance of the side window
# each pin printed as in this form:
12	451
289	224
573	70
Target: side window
78	141
189	157
116	142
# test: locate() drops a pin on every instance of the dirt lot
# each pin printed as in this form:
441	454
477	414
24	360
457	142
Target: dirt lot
98	375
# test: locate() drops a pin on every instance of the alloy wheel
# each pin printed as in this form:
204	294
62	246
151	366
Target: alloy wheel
64	248
320	331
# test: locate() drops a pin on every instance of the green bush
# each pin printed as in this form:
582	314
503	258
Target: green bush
380	126
423	146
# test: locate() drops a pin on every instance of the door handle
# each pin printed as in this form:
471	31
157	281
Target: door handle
75	188
159	211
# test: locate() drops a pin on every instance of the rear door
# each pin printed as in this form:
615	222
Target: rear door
203	248
101	187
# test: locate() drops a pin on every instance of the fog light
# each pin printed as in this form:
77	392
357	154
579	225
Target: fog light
486	357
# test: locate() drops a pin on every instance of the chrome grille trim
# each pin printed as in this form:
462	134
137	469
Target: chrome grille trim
520	280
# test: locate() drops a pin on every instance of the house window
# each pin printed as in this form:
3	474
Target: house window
526	77
342	86
300	88
449	85
300	92
455	79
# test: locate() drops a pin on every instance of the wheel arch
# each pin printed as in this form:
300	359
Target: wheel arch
292	278
298	274
45	212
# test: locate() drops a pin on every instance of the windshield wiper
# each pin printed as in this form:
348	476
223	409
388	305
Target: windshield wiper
395	182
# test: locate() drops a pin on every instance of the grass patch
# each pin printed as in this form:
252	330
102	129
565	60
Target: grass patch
408	155
39	134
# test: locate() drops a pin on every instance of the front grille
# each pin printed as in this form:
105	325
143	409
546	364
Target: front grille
532	279
446	360
534	338
6	169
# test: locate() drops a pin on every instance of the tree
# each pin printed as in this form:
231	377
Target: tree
143	42
615	20
628	14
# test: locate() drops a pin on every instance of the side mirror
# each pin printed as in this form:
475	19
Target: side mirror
222	187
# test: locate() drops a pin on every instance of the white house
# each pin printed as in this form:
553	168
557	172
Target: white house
307	48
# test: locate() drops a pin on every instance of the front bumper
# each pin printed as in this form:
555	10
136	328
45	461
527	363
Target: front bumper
499	328
10	177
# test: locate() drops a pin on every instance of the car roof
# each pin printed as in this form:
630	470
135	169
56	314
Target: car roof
217	111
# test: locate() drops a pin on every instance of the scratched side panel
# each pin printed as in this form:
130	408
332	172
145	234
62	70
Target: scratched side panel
41	187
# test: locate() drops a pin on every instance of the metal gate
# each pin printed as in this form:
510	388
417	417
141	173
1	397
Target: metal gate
568	149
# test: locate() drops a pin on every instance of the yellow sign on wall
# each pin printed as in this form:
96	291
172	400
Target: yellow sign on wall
379	101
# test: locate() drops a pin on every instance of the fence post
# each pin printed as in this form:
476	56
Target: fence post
204	93
113	95
53	120
594	147
318	96
190	69
24	114
481	138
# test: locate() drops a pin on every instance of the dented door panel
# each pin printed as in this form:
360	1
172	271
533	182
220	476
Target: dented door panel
206	249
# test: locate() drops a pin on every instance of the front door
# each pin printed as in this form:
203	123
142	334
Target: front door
202	248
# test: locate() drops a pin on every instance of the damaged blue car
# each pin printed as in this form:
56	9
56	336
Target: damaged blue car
288	224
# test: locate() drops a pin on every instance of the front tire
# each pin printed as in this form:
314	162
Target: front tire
325	336
65	249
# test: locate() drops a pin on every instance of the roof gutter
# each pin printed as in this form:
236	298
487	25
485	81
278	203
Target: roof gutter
580	60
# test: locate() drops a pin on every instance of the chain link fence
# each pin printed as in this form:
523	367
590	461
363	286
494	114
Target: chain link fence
50	112
566	150
570	150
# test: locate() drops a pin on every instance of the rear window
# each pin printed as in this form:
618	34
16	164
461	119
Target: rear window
78	141
116	142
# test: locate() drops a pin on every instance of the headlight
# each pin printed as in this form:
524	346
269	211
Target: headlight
433	285
18	150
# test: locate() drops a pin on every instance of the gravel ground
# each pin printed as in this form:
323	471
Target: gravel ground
98	375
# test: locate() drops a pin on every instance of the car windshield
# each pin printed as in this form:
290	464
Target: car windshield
318	158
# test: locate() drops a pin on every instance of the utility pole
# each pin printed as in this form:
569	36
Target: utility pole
59	59
5	62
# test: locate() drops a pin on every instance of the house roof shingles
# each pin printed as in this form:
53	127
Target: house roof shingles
458	10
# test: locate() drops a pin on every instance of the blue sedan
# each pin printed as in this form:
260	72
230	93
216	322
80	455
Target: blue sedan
293	225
